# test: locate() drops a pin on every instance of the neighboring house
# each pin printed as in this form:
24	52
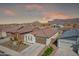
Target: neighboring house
57	26
2	34
72	36
8	32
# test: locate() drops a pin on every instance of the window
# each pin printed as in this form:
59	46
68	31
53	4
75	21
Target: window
26	37
30	38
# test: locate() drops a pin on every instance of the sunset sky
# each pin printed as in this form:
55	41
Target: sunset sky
23	13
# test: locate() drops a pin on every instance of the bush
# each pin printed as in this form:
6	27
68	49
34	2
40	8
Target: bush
48	51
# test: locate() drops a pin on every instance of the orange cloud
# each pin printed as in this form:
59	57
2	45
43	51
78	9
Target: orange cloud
50	16
9	12
57	15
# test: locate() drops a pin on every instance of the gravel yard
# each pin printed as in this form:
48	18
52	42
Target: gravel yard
9	45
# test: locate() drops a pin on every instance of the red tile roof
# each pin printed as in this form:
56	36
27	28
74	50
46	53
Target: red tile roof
11	29
25	29
19	29
45	32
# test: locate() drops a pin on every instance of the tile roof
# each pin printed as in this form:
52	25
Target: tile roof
45	32
10	28
19	29
25	29
2	28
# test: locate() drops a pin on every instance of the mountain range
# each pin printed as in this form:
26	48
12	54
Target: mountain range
64	21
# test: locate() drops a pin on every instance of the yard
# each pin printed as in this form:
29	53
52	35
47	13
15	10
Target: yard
9	45
48	51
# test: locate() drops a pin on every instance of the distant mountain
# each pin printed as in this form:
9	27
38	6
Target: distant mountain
64	21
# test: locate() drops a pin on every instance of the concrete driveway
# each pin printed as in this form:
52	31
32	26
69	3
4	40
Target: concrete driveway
65	49
33	50
9	51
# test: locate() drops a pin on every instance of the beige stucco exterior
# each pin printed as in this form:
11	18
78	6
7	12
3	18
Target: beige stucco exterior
53	37
3	34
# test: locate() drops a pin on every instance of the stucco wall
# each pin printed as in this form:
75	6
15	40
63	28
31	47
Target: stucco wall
48	41
53	37
3	34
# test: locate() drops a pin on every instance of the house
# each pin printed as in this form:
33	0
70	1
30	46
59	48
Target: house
19	34
71	37
57	26
71	34
3	34
45	35
9	27
67	23
30	34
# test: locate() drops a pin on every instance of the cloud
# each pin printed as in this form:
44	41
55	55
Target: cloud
34	6
57	15
50	16
9	12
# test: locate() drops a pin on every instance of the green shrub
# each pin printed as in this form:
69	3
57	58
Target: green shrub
48	51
